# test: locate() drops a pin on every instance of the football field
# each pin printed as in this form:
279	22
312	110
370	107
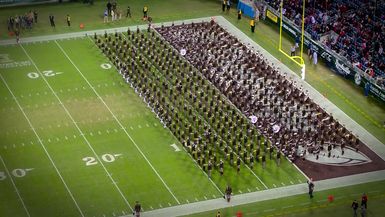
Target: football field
76	140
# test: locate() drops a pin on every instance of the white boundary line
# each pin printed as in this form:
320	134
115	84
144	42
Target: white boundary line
76	125
120	124
42	145
14	185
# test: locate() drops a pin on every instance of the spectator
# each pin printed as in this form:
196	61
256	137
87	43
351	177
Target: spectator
354	207
128	14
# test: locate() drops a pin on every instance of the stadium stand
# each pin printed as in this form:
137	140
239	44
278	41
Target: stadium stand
347	28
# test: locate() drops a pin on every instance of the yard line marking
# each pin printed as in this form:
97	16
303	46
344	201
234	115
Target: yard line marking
120	124
16	189
40	140
248	190
77	126
286	207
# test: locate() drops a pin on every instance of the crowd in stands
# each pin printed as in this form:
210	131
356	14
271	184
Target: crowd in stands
358	29
277	107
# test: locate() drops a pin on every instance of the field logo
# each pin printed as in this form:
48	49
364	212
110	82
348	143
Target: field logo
4	58
106	66
351	157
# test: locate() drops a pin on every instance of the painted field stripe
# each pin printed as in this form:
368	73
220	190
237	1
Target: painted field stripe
120	124
41	142
14	185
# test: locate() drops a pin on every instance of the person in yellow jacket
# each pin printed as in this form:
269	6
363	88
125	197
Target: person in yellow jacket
145	10
68	19
239	14
252	25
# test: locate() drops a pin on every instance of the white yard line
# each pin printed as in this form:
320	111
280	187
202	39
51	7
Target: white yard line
16	189
76	125
42	145
120	124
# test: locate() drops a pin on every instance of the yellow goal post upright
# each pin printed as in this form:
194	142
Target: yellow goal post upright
297	59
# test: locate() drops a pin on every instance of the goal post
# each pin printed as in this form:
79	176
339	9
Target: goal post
296	59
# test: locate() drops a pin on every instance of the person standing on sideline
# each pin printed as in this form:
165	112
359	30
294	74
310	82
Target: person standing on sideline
311	187
218	214
228	192
364	200
35	16
297	40
292	50
228	5
112	15
315	58
145	11
105	20
128	14
109	6
68	20
52	20
355	207
252	25
239	14
223	5
137	209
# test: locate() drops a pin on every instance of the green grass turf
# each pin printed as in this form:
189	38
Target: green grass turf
24	151
90	186
319	206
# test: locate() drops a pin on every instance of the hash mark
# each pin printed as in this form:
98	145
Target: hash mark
240	191
205	197
169	204
274	185
196	199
